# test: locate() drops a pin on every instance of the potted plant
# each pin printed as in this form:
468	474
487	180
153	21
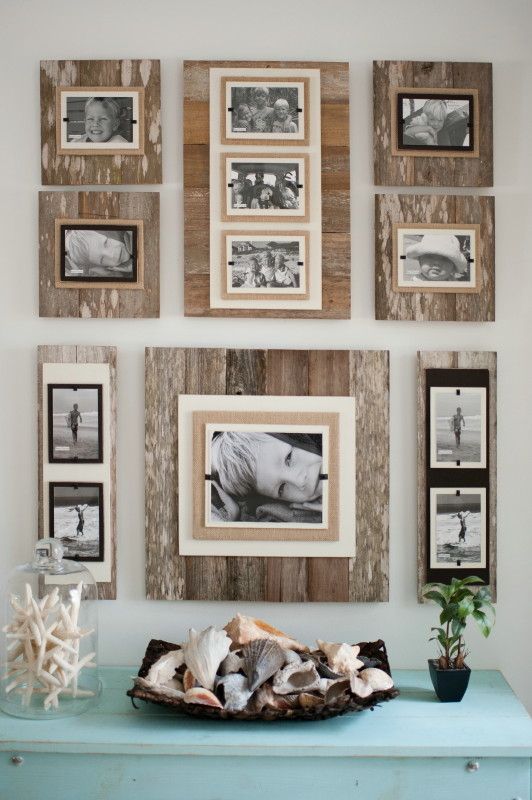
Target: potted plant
458	602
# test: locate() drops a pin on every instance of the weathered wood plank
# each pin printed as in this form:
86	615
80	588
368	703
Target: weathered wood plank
479	307
54	302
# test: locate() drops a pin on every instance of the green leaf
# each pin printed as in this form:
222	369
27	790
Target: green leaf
483	623
436	596
448	613
471	579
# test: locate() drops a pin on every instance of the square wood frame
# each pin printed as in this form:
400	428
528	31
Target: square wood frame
107	300
360	374
72	354
335	188
264	142
456	360
439	169
436	305
74	168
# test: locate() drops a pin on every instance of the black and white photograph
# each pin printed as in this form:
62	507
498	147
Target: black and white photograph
260	475
265	265
98	254
458	528
264	109
76	518
458	427
439	258
75	423
436	121
92	120
267	188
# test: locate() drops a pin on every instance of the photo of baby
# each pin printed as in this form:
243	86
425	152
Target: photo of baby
266	477
99	119
262	110
430	258
264	186
266	265
99	253
435	122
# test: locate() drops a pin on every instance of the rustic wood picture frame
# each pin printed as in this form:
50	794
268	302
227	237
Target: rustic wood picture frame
274	142
75	168
450	361
335	186
435	210
72	354
361	374
440	169
104	300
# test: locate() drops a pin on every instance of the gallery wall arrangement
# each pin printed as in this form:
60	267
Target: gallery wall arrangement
266	189
76	407
457	466
267	475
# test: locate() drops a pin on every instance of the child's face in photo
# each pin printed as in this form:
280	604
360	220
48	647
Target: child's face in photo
244	113
288	473
435	123
281	109
436	268
105	251
260	98
100	123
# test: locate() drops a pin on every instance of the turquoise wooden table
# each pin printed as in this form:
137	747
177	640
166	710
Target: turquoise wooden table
412	748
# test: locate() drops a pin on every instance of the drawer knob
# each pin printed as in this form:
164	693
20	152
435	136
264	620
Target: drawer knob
472	766
17	760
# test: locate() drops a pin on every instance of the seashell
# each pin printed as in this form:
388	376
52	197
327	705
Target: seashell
337	689
202	697
261	659
165	666
265	697
291	657
307	700
243	630
377	679
161	689
204	652
189	681
296	678
323	670
342	658
236	691
359	687
231	663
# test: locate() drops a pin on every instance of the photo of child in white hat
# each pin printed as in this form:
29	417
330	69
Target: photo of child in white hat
439	258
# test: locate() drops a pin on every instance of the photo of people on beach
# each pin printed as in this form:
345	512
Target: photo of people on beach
435	121
99	119
98	253
76	518
265	477
260	110
436	259
265	265
458	528
75	423
458	427
269	188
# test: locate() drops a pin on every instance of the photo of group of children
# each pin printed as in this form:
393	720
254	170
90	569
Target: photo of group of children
264	109
266	265
265	185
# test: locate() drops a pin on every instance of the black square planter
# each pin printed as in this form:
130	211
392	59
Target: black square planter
449	684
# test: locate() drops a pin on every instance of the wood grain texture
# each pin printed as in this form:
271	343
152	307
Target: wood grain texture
78	169
431	170
430	209
336	273
170	372
455	360
101	302
86	354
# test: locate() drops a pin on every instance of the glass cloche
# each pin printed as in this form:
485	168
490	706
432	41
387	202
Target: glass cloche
48	637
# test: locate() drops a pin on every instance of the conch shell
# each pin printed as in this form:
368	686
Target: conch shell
261	659
164	668
204	652
342	658
376	679
297	678
243	630
202	697
235	691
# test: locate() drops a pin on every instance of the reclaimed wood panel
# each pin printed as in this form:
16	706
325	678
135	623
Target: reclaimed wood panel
336	220
407	170
101	302
174	371
82	354
455	360
79	169
434	306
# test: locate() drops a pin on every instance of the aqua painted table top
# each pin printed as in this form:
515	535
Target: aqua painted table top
396	742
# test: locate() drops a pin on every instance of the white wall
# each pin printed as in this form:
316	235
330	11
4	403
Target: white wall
356	31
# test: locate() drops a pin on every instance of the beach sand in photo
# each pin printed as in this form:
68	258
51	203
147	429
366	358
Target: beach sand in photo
86	446
468	451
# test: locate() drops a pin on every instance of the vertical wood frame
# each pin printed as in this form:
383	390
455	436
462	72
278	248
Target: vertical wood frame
453	210
455	360
72	354
431	170
105	301
360	374
75	168
335	190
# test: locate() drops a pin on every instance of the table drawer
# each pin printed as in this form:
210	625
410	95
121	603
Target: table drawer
46	776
